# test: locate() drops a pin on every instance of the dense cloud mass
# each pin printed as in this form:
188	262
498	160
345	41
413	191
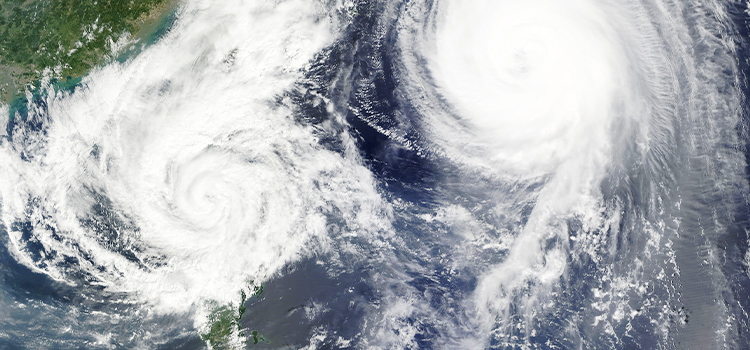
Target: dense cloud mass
447	174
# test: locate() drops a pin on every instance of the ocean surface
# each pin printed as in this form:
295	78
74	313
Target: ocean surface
421	174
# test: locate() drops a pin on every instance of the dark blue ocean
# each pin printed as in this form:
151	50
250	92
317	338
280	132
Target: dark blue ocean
390	175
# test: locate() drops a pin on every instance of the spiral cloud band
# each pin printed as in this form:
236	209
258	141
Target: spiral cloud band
205	182
571	103
442	174
496	60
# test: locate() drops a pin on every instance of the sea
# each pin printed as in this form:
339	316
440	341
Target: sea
383	174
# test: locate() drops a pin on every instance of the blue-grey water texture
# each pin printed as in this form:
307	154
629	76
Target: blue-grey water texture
695	295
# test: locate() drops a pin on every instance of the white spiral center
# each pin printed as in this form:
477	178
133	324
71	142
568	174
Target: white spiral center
534	80
213	191
192	156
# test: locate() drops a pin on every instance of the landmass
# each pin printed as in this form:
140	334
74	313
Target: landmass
224	323
65	39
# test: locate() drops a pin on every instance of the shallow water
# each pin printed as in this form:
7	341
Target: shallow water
421	174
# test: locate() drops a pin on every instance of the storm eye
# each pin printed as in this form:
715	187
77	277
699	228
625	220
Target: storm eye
421	174
521	62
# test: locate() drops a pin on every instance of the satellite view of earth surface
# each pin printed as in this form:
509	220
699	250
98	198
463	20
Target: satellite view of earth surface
374	174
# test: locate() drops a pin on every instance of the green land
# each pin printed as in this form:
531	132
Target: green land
64	39
225	322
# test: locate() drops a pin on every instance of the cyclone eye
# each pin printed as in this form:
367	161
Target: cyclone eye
419	174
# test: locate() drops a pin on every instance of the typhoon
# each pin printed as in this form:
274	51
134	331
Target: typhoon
423	174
